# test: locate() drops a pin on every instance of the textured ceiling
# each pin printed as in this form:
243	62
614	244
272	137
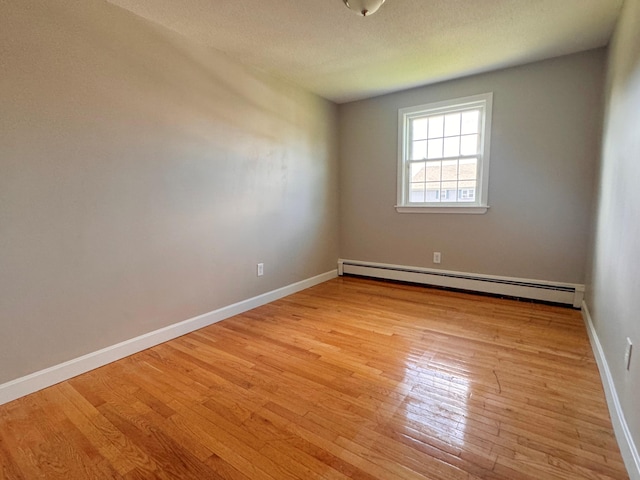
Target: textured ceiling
321	46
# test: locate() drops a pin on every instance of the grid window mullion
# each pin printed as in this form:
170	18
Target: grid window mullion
442	155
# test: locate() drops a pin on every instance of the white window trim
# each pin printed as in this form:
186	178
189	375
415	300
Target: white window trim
404	115
473	209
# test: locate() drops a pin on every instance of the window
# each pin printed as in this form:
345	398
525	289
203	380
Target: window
467	194
443	158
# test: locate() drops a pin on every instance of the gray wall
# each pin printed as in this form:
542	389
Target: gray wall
544	150
613	293
141	179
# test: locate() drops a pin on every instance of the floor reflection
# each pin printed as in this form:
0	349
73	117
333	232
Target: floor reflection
437	402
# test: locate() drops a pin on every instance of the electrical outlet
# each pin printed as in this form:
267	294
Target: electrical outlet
627	354
260	269
437	257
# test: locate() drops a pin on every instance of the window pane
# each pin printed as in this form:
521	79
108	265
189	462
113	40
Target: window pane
435	149
436	126
470	122
452	124
433	171
416	192
433	192
452	147
449	170
468	144
468	169
448	192
417	172
466	194
420	128
419	150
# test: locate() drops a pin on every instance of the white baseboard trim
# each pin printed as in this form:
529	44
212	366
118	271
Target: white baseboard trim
557	292
623	435
50	376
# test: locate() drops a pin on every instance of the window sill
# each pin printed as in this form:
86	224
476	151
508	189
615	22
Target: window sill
466	209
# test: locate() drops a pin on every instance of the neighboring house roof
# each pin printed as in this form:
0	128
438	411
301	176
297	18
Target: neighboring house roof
448	171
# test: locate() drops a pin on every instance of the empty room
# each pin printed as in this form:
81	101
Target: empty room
320	239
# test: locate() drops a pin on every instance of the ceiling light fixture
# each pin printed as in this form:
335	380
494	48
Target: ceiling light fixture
364	7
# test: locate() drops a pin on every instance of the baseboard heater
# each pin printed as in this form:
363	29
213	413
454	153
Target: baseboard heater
563	293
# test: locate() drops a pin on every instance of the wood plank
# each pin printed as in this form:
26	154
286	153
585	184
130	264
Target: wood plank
352	378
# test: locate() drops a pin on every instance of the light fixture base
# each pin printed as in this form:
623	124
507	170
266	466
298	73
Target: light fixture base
364	8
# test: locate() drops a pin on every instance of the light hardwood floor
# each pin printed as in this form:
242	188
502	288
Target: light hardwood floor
352	378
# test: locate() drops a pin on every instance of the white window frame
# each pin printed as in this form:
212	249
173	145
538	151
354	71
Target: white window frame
405	115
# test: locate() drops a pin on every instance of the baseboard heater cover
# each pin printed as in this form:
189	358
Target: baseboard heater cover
556	292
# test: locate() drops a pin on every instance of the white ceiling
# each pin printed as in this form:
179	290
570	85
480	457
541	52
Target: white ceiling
322	46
